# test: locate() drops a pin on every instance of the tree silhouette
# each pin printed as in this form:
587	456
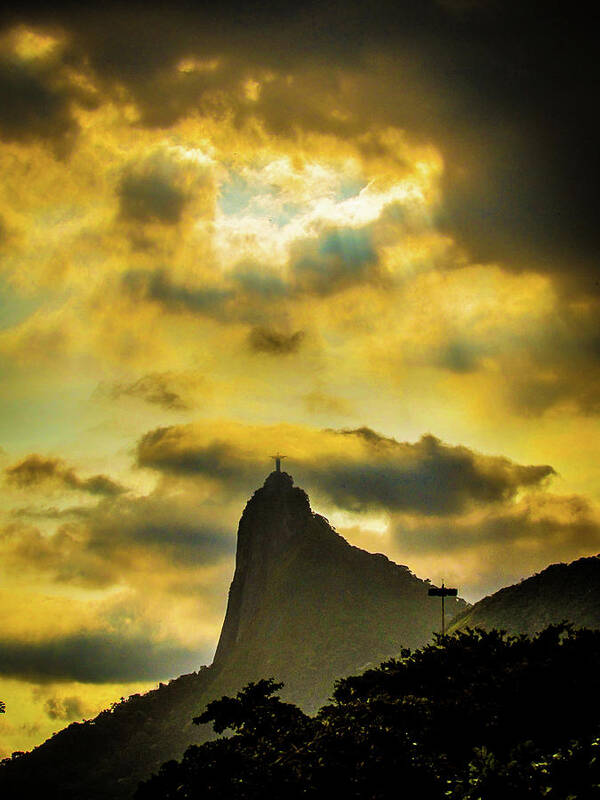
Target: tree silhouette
476	714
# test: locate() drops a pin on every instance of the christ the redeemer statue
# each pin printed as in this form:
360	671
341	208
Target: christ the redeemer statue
278	458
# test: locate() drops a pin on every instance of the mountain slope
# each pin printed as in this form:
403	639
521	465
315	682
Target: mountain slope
305	607
561	592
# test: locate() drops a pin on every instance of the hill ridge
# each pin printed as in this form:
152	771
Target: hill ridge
560	592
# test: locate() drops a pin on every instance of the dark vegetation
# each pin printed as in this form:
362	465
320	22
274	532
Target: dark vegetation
106	757
474	715
561	591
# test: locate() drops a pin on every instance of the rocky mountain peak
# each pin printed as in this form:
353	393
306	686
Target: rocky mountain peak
277	495
305	603
278	481
277	515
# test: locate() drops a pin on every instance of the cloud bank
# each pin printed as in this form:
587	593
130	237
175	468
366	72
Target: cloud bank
36	470
372	472
95	658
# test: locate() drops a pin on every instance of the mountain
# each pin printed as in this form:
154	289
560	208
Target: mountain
305	607
561	592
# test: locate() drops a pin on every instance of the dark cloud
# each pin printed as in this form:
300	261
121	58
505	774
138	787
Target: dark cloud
157	286
516	190
322	403
554	362
505	91
504	544
559	525
65	555
253	279
33	105
150	198
109	543
505	67
157	388
550	360
96	657
459	356
533	391
309	102
36	470
173	529
268	340
47	512
39	95
169	450
558	364
427	477
371	437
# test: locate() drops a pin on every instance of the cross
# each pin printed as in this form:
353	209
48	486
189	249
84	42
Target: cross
278	459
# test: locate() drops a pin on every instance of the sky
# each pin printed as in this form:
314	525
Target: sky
361	235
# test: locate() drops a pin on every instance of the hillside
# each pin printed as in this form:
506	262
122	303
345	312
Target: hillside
569	592
305	607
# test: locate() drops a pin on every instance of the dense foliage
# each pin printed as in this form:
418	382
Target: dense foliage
473	715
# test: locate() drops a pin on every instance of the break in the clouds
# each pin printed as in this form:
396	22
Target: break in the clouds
372	472
95	657
338	258
39	471
513	120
